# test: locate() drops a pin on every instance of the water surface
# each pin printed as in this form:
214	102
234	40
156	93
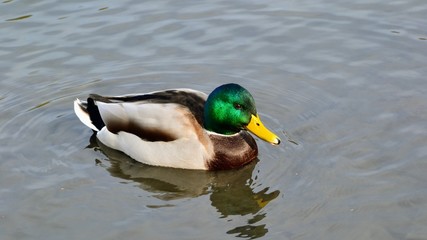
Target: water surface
342	82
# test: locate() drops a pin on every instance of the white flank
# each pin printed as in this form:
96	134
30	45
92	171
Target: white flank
182	153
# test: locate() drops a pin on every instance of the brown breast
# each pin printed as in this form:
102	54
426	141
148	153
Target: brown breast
232	151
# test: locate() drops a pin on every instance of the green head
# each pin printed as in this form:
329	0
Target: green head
230	108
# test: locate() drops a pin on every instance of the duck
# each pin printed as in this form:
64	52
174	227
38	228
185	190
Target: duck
179	128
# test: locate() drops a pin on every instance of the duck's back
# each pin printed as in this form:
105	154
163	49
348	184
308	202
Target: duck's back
189	98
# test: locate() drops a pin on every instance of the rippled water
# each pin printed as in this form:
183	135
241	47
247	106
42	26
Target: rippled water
343	82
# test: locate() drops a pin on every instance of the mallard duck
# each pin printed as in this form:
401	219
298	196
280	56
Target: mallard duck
179	128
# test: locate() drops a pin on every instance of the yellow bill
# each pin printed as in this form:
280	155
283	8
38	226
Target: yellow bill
256	127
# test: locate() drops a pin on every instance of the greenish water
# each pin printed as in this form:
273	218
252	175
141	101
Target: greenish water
342	82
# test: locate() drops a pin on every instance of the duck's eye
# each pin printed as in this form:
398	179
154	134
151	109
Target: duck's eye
237	106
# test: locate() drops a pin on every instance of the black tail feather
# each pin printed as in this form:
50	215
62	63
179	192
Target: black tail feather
94	114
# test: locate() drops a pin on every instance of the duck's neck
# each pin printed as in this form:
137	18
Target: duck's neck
218	128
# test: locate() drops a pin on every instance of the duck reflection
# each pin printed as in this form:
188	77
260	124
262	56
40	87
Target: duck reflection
231	192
